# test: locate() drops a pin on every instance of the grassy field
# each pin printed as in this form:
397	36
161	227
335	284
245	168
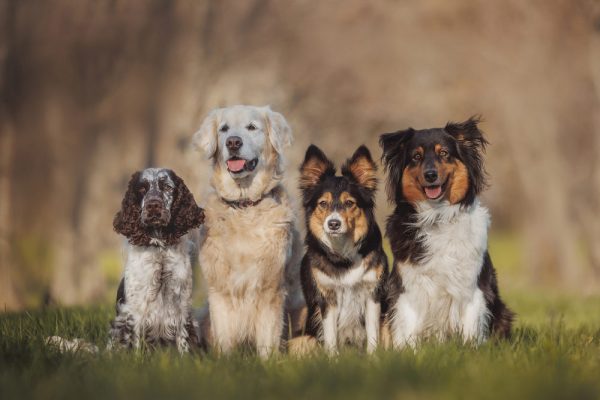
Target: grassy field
554	354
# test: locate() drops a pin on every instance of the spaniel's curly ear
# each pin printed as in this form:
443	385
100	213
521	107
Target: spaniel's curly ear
185	213
280	133
471	146
394	159
206	138
127	222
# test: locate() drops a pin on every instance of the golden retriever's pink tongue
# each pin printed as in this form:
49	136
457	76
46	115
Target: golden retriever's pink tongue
236	165
433	192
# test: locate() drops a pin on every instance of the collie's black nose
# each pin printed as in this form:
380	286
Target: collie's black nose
334	224
431	175
233	143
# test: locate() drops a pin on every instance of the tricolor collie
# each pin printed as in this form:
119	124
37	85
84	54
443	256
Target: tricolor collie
442	281
344	270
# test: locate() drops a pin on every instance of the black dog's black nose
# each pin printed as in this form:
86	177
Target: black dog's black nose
233	143
334	224
154	207
431	175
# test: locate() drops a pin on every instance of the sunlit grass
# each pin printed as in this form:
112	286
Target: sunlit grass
554	353
549	361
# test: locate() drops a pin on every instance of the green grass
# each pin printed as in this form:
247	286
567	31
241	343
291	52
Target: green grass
554	354
552	358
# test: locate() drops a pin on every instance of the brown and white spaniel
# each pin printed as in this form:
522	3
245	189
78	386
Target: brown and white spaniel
154	296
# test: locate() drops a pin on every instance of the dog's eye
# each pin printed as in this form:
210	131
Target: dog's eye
322	204
348	203
224	128
443	153
417	157
251	127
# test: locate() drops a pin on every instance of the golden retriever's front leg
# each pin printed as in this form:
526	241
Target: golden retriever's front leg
269	326
223	323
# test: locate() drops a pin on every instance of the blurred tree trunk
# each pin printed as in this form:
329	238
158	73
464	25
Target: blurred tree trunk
8	295
8	292
590	208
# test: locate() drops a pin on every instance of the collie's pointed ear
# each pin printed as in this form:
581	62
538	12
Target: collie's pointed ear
206	138
362	169
316	165
471	146
394	158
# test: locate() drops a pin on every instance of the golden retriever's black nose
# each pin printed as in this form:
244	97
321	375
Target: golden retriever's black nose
431	175
334	224
233	143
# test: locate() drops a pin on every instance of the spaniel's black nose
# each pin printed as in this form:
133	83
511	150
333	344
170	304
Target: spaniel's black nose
154	207
334	224
233	143
431	175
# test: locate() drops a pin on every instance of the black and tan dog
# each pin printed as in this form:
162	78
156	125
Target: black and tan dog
344	270
442	281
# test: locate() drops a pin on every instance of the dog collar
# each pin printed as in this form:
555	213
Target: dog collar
243	203
246	203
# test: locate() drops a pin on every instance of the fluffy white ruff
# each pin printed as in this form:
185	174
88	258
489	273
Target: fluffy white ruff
441	295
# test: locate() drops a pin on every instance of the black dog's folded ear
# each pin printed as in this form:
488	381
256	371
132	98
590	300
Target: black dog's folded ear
127	220
185	213
315	166
394	158
467	133
362	169
471	146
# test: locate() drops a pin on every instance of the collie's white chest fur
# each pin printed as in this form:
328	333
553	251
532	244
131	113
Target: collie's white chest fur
351	313
441	296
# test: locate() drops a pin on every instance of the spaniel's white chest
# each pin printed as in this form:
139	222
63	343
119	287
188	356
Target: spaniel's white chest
157	279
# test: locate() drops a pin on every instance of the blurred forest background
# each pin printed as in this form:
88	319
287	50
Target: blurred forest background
91	91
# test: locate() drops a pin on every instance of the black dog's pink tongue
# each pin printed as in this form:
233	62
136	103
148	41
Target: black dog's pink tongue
433	192
236	165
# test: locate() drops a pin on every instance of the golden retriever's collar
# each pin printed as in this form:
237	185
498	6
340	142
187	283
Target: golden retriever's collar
246	203
243	203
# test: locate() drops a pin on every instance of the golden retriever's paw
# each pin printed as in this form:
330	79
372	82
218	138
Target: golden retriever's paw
302	346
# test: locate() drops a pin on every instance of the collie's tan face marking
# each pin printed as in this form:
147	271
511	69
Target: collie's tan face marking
320	213
354	217
452	175
354	221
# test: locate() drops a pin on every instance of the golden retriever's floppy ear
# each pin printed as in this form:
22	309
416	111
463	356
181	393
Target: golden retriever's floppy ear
315	166
280	133
362	169
206	137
